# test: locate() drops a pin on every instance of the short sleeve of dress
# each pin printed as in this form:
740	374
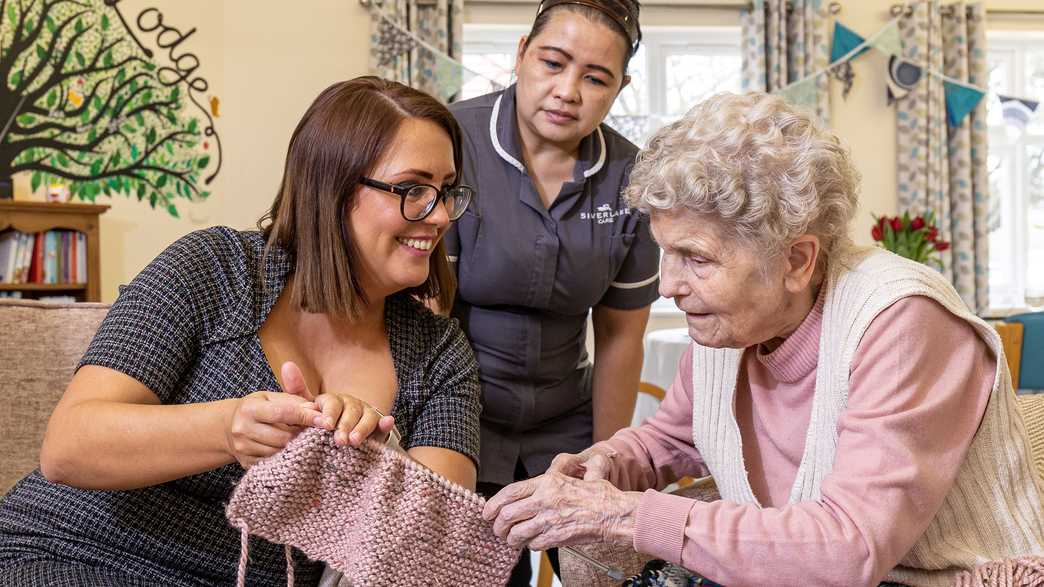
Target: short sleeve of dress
151	333
637	283
450	416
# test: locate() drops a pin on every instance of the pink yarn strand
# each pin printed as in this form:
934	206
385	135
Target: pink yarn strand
289	566
244	551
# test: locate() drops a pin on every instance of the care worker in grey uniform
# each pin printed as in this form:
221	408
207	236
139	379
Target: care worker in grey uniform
548	240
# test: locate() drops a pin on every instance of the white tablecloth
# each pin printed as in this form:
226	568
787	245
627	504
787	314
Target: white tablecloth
663	350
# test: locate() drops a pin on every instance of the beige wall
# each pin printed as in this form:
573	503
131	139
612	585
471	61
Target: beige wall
266	61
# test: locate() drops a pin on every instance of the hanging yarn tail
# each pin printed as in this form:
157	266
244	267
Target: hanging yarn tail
1020	572
289	565
244	551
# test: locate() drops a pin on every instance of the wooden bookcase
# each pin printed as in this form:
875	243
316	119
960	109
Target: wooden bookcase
33	217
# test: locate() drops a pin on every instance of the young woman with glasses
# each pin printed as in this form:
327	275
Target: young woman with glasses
549	242
230	343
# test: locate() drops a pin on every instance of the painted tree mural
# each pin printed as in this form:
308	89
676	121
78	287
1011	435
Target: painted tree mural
85	104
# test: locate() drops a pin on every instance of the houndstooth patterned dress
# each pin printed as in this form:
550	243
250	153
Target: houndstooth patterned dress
186	327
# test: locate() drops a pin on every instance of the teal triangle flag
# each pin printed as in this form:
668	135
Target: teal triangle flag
845	39
960	100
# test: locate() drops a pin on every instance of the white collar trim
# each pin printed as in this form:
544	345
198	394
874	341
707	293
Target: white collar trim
518	164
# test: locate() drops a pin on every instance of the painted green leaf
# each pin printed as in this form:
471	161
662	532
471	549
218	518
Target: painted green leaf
162	181
121	75
63	161
96	167
203	161
26	119
11	14
107	60
41	53
134	152
16	78
29	25
105	22
150	137
152	200
79	56
169	146
51	26
79	25
52	97
140	119
173	210
37	179
193	125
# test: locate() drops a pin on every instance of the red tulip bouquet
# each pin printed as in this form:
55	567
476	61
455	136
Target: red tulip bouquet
914	238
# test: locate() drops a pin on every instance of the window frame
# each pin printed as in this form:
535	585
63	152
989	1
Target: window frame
1015	207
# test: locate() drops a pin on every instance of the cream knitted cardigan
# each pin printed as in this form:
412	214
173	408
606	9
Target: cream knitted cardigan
994	510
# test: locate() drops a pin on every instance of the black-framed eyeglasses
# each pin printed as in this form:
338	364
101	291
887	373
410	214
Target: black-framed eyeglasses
417	200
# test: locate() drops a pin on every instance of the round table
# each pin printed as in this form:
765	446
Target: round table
663	351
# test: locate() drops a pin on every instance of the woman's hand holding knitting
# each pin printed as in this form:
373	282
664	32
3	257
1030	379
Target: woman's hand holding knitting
263	423
559	510
353	419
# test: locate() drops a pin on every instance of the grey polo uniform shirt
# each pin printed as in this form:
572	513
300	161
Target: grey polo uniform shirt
529	275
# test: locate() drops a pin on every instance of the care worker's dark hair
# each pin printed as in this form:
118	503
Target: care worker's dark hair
619	15
340	139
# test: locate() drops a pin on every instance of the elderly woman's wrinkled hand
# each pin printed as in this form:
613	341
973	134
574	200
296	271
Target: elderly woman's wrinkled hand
593	464
558	510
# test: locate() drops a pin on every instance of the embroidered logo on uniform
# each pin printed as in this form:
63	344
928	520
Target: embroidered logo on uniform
604	214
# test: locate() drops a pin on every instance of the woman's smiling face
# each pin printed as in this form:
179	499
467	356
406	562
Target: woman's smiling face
394	253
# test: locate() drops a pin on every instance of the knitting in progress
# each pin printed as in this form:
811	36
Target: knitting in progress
371	513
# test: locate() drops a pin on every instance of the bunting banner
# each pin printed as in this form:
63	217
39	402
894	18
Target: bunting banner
903	74
902	77
393	41
801	94
960	100
888	40
846	41
1018	112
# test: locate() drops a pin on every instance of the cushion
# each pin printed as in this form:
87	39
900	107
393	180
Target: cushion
41	345
1031	370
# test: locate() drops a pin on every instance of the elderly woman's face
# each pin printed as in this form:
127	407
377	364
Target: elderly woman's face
730	297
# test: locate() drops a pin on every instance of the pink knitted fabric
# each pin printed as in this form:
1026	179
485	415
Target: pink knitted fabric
1020	572
371	513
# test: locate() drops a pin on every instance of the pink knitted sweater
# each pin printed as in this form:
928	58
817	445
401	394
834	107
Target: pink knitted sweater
371	513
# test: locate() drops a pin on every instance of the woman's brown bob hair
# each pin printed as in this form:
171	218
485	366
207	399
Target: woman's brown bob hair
340	139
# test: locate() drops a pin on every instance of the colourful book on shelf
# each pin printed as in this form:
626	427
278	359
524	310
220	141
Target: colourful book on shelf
36	264
51	257
27	257
81	258
72	257
8	246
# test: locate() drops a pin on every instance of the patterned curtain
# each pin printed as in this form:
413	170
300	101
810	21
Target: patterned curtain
785	41
396	55
943	168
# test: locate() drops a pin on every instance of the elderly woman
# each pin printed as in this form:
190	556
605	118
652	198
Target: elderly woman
854	414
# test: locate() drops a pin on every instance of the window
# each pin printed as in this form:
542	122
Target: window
675	68
1016	173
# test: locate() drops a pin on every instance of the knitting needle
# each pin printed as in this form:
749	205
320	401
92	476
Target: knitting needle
614	574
